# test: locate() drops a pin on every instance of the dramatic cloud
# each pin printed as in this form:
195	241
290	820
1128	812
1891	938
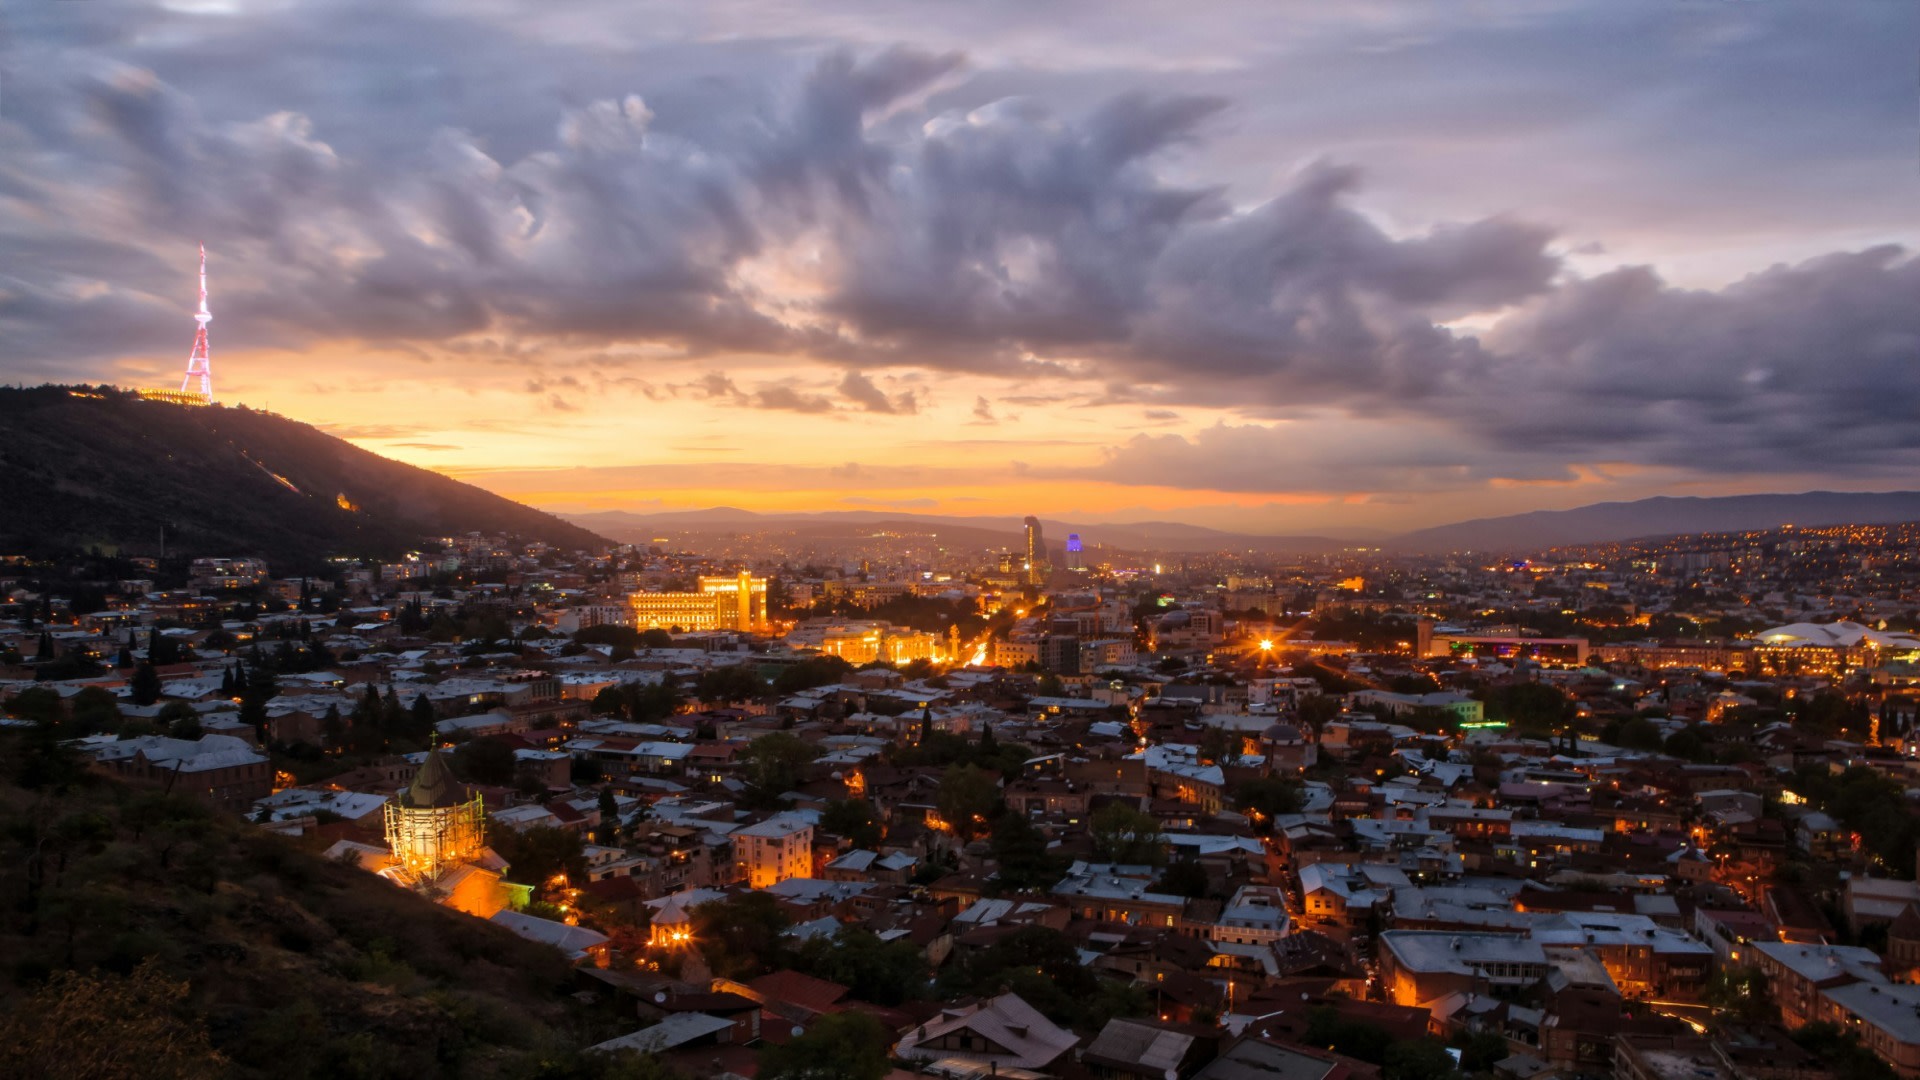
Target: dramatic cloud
1797	366
1321	455
604	201
861	390
790	400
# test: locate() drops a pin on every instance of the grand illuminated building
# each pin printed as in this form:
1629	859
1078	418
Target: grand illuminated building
867	642
722	603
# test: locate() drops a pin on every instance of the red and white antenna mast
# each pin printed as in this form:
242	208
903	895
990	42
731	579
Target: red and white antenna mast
199	366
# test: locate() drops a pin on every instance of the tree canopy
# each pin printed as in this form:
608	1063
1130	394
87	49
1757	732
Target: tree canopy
1122	834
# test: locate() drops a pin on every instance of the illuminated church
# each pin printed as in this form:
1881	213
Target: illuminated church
434	825
437	830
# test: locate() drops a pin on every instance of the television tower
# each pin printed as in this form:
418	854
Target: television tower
198	364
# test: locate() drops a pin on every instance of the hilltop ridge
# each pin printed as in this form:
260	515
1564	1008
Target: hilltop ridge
84	467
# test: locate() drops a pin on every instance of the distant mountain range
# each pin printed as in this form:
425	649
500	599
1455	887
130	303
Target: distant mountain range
1663	516
88	467
1170	536
1517	533
84	467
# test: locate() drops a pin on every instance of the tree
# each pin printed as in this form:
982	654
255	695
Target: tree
1268	797
609	831
180	720
1217	743
486	761
95	709
883	972
1741	993
809	673
1417	1059
1638	733
1841	1051
735	682
741	936
423	718
648	702
39	705
1536	708
1480	1051
162	650
1043	966
1021	852
1184	877
539	854
838	1046
772	766
965	797
109	1027
1122	834
1316	709
144	687
853	819
45	760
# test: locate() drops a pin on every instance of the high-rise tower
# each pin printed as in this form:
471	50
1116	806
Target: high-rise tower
199	366
1037	568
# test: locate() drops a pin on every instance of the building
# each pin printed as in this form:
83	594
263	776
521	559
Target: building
220	575
776	849
1465	710
1003	1032
1037	568
865	643
1798	974
434	825
1421	966
1433	642
721	603
224	771
1886	1016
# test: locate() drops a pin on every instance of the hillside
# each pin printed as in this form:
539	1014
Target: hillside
1663	516
283	963
83	467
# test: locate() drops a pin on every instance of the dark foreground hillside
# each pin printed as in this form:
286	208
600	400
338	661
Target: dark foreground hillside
140	936
83	467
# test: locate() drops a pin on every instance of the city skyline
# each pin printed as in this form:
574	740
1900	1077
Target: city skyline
1272	268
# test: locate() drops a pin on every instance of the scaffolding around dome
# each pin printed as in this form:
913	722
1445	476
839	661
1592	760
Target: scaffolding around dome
432	826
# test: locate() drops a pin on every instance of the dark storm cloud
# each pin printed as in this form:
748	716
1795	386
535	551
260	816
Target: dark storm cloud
428	174
1816	364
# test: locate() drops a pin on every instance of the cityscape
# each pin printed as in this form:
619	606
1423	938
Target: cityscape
773	542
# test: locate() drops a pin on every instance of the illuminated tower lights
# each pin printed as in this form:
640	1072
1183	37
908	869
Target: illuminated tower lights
199	365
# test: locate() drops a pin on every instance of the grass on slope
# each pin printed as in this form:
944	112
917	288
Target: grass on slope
293	965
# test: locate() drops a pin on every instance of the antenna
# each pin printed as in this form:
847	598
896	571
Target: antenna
199	365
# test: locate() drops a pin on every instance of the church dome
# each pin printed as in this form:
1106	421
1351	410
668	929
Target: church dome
434	786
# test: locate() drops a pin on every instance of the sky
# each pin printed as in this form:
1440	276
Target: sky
1280	266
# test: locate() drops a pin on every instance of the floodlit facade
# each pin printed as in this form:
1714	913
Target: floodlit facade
738	602
776	849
